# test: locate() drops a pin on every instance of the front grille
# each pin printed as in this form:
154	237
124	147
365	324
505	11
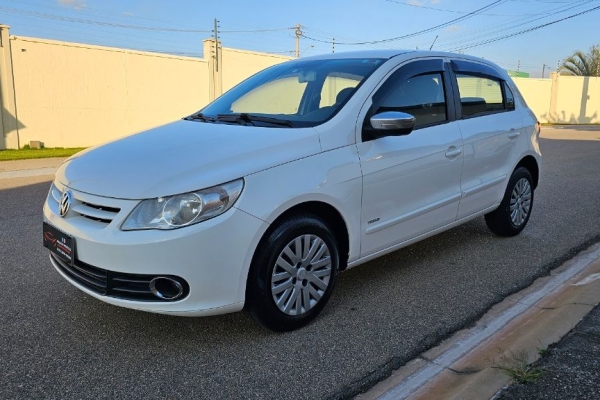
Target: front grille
102	213
92	278
96	212
113	284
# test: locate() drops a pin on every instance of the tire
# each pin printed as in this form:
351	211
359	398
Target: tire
512	215
298	259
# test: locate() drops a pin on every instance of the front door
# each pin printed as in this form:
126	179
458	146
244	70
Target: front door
411	183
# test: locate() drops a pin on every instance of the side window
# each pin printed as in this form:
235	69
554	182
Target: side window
422	96
480	96
336	89
510	98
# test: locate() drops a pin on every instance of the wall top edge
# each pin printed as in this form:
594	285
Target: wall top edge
104	48
250	52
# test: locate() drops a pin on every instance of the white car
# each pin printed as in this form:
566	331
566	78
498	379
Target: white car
303	170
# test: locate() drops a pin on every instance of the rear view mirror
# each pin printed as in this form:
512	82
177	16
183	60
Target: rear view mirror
307	76
393	123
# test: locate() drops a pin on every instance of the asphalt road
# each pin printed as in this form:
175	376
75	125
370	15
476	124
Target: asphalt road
56	342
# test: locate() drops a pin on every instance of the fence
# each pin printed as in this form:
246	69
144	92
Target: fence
70	95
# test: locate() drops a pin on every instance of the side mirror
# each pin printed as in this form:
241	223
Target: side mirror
392	123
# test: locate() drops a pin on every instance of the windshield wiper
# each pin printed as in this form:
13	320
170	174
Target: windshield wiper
245	118
200	116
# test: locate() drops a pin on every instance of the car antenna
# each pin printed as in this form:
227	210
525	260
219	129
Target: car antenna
431	47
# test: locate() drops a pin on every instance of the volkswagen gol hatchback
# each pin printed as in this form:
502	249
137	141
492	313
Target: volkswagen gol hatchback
303	170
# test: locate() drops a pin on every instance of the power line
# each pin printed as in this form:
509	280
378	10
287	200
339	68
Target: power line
433	28
128	26
448	43
416	5
528	30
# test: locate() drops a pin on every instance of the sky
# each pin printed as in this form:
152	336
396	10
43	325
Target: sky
482	28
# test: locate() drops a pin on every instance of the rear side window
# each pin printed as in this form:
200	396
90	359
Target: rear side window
481	96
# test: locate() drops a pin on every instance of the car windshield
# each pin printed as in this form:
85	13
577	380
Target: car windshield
292	94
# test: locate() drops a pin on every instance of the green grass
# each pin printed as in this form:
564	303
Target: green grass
517	367
27	153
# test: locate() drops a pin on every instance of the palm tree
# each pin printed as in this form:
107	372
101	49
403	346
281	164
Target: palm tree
583	64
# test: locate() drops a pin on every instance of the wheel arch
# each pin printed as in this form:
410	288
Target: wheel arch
329	214
530	163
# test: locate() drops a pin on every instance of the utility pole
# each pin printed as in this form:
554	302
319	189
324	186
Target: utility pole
216	37
298	36
543	70
518	65
333	45
558	67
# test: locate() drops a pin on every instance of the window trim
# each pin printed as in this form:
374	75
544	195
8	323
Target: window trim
474	69
506	88
482	113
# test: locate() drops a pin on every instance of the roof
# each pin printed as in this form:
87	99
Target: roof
359	54
387	54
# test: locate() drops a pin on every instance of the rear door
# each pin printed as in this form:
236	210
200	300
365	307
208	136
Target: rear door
490	127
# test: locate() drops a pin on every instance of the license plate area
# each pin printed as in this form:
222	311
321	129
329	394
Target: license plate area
59	243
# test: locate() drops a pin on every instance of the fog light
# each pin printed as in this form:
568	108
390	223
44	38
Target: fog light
166	288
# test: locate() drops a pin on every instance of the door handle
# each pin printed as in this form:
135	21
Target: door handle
513	133
453	152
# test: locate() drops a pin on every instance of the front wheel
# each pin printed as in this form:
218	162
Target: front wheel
512	215
293	274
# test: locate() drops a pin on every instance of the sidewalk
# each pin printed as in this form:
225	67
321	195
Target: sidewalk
570	369
513	335
27	168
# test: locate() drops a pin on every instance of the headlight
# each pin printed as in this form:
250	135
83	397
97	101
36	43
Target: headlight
183	209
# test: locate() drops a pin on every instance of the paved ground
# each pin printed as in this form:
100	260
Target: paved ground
571	370
26	168
59	343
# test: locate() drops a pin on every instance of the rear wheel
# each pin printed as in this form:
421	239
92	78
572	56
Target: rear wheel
293	274
512	215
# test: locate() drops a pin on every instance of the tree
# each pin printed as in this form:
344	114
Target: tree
583	64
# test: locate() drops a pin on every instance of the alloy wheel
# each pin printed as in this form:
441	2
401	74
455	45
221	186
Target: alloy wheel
520	202
301	275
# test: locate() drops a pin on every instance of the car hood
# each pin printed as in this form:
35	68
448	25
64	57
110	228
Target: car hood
181	157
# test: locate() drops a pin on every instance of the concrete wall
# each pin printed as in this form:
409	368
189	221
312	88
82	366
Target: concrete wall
537	94
68	94
71	95
9	124
563	99
238	65
577	101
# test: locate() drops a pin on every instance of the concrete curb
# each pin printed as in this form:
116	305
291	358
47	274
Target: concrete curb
461	367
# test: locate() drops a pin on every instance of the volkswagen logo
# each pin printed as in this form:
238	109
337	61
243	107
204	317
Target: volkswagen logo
65	203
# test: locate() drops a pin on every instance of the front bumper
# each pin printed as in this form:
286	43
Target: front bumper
213	257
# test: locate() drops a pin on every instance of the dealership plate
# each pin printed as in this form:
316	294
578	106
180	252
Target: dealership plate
59	243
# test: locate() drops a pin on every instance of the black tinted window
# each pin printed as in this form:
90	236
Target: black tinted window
479	95
421	96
